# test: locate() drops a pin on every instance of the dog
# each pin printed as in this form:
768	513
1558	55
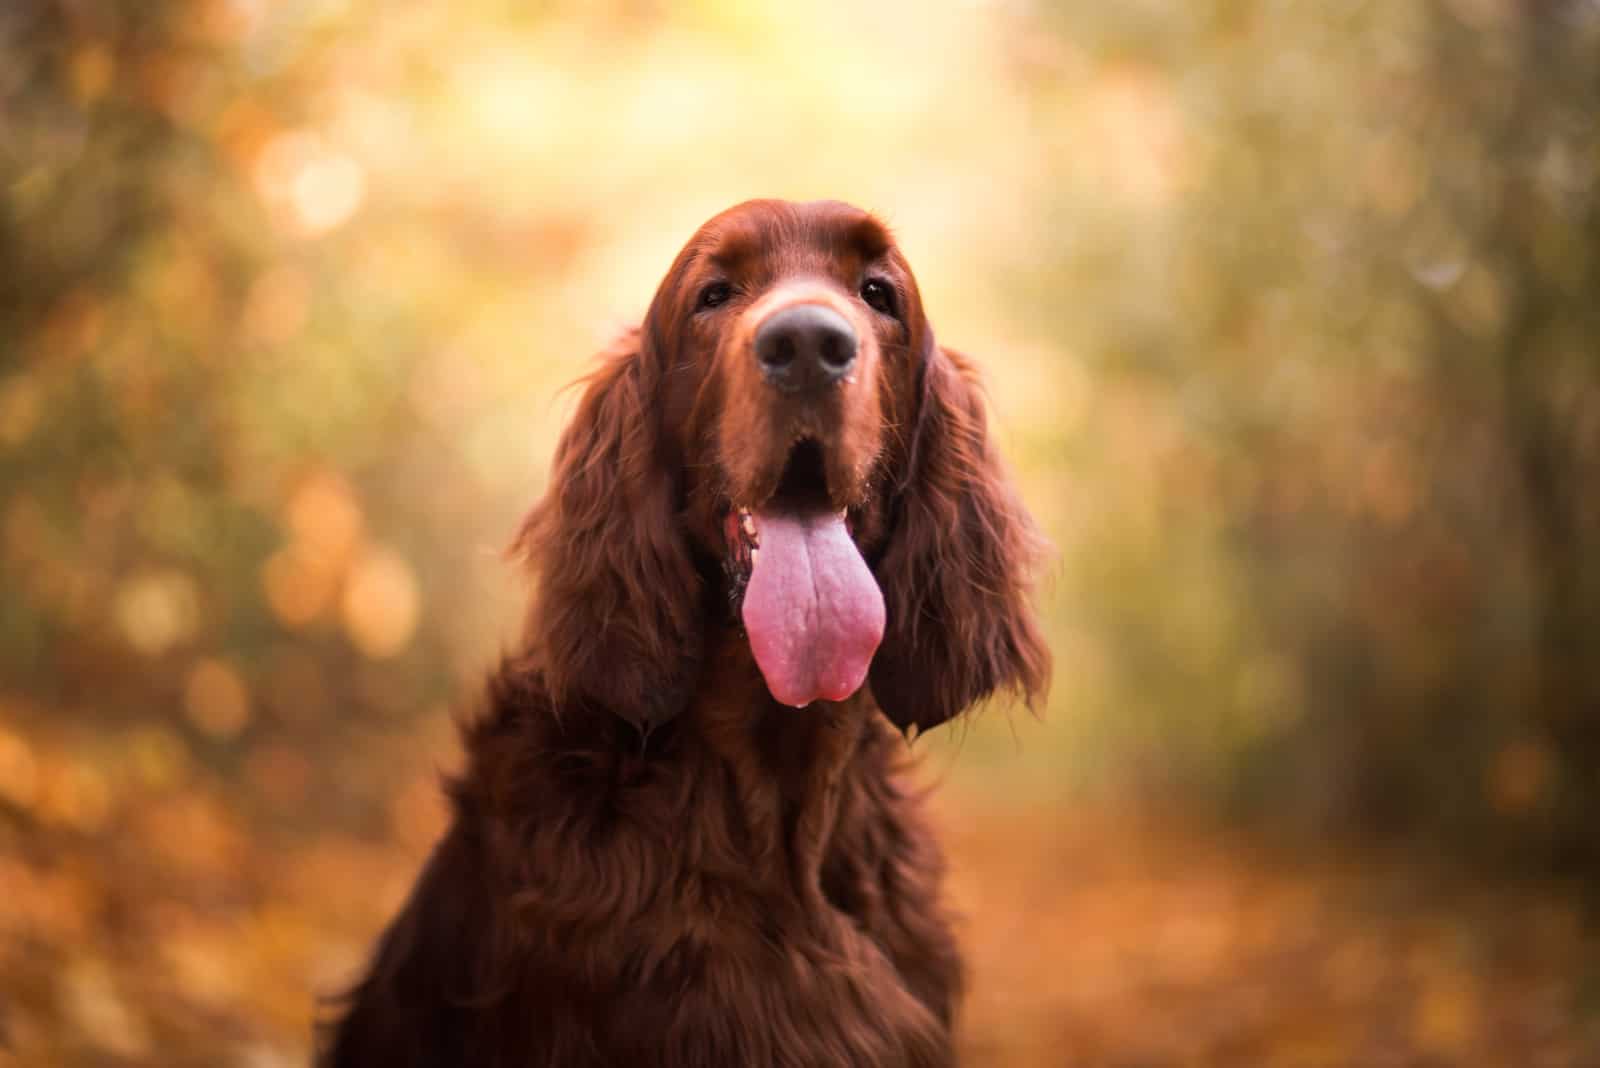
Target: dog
777	535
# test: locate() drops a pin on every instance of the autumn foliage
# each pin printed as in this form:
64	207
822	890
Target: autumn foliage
1288	314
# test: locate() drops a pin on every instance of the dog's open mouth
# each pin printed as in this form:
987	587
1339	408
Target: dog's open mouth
811	608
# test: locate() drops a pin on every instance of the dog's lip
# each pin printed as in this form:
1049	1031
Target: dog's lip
741	536
739	514
750	527
809	477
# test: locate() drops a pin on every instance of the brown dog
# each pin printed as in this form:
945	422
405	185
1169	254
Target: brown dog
776	525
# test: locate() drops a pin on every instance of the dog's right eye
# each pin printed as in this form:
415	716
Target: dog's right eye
714	295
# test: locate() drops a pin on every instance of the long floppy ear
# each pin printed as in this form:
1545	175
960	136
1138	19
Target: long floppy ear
615	618
957	570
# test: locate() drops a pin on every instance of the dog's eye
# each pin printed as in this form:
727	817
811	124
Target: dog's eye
879	295
714	295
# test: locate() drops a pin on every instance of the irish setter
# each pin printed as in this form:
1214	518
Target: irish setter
776	531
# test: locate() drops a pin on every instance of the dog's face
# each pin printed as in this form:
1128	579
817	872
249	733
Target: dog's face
783	433
793	330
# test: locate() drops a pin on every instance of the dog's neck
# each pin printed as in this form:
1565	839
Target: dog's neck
785	763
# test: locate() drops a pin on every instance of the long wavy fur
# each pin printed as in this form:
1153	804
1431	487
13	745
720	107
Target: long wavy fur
651	863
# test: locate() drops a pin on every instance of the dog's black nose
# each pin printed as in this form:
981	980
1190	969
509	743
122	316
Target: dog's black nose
805	347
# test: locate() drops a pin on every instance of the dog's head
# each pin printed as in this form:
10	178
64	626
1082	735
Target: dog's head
783	436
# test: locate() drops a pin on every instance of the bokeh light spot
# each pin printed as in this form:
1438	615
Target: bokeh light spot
157	610
381	604
215	699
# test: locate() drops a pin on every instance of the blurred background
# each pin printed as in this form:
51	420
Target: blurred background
1291	317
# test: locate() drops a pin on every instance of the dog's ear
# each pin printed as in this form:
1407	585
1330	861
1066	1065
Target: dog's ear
616	615
957	569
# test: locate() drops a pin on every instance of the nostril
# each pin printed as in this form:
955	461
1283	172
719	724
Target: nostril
836	351
778	351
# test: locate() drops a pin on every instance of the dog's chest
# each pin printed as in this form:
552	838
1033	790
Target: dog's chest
770	980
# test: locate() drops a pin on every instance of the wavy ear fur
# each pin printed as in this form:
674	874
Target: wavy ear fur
616	614
957	570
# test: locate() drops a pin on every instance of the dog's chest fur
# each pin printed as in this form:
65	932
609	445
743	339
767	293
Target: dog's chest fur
753	888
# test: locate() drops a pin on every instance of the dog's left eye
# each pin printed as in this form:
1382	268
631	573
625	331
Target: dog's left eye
879	295
714	295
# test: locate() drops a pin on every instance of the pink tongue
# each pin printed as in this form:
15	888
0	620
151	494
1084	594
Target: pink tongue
812	611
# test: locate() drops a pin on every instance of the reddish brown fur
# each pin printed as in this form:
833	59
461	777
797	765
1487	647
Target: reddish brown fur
651	861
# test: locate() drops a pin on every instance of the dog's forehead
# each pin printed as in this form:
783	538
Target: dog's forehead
779	237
